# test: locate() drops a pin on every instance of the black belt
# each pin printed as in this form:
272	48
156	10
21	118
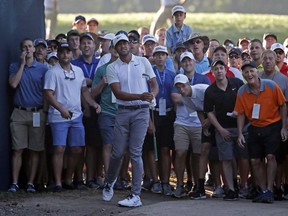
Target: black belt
29	109
134	107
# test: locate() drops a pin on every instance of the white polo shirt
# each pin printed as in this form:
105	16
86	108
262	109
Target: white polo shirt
196	101
130	77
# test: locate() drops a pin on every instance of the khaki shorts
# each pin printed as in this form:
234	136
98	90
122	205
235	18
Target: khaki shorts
185	136
23	134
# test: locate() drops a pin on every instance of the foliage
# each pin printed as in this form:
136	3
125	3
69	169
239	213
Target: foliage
120	6
214	25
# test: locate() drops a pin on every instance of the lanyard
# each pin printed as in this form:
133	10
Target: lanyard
88	74
191	81
162	81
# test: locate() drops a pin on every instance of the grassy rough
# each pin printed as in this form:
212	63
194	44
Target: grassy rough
214	25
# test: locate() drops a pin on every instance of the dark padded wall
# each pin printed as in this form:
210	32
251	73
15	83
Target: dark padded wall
18	20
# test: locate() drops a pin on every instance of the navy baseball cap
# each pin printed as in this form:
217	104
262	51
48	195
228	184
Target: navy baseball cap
122	32
251	64
63	46
134	34
214	63
39	41
86	35
78	18
220	48
237	51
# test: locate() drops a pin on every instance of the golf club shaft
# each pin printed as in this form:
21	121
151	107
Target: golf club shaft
154	138
152	117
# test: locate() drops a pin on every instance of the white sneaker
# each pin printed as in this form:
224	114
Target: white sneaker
108	191
131	201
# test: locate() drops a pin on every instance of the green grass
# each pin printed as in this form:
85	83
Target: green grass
214	25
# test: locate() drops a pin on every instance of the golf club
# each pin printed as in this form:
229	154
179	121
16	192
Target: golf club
147	77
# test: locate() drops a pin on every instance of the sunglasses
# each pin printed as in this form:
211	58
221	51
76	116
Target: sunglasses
245	58
69	76
134	41
62	39
196	41
233	56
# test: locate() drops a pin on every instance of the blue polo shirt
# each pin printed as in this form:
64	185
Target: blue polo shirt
174	36
29	92
202	66
165	80
169	65
88	69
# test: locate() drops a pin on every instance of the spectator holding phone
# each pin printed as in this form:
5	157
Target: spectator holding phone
64	85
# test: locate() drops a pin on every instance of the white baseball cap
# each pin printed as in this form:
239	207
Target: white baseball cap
187	54
160	48
51	55
93	20
147	38
120	37
180	78
277	46
108	36
178	8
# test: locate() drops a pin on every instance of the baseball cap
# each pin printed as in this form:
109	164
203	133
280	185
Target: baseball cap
178	8
39	41
244	39
134	34
180	78
179	45
120	37
72	32
61	37
229	42
188	55
160	48
122	32
277	46
220	48
51	40
251	64
93	20
148	37
108	36
236	51
86	35
63	46
214	63
52	55
245	52
269	34
78	18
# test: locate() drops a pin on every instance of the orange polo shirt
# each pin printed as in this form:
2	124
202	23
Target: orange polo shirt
270	99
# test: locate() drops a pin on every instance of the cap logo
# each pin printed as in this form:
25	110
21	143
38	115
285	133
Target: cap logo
148	37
